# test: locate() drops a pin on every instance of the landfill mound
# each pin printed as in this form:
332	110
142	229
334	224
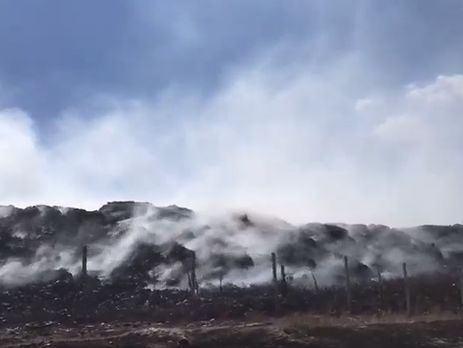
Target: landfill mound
169	264
142	243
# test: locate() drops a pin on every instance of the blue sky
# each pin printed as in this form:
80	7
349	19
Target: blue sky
310	110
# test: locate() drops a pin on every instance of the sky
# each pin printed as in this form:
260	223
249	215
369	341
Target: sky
316	110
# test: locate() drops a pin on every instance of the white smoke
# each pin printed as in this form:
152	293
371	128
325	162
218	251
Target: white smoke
234	237
306	147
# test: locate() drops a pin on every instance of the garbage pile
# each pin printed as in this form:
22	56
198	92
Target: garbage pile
165	263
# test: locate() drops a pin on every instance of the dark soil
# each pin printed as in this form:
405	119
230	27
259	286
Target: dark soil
238	335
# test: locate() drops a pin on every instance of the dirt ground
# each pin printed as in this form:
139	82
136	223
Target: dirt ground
294	332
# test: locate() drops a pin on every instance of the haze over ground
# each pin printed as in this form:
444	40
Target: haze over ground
309	111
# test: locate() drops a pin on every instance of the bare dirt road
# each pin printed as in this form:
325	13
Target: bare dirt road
277	333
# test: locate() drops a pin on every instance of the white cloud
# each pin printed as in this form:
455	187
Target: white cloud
21	165
295	145
445	89
404	129
367	104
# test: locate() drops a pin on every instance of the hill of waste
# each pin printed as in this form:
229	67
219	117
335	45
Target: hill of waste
152	245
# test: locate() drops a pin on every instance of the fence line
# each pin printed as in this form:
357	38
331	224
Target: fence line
281	287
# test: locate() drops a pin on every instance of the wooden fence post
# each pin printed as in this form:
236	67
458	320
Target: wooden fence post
315	283
460	276
284	284
380	289
275	284
220	282
408	304
193	280
84	261
274	267
348	286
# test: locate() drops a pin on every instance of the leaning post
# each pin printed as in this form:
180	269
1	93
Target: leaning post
315	283
408	304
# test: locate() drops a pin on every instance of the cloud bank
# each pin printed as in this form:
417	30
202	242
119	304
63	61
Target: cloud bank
302	144
311	111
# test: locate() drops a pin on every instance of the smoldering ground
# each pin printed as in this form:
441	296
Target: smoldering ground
152	245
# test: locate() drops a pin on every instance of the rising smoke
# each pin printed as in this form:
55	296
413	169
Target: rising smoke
153	245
